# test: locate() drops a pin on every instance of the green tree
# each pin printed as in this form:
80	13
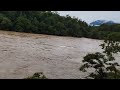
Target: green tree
5	23
48	22
23	24
35	25
103	64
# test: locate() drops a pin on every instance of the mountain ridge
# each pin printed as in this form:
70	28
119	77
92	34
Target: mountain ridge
100	22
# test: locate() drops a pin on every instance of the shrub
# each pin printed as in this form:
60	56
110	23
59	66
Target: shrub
103	64
38	75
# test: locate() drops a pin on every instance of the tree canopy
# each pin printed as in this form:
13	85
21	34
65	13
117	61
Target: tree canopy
47	22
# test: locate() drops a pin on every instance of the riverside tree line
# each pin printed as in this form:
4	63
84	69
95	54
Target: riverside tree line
47	22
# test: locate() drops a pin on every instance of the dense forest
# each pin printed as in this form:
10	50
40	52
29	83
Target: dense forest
47	22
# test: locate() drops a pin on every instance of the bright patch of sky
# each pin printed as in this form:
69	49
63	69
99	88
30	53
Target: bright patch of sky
90	16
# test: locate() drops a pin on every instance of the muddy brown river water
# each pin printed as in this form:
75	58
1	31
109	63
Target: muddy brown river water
21	55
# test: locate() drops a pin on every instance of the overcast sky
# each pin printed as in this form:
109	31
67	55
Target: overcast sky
90	16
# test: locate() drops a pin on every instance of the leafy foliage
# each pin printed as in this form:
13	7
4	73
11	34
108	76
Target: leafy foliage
47	22
5	23
103	64
38	75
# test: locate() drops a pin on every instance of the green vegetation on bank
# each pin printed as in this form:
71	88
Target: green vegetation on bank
37	75
103	65
47	22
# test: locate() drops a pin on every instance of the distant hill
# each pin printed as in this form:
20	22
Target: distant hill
100	22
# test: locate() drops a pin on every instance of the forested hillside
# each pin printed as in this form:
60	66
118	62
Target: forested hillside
47	22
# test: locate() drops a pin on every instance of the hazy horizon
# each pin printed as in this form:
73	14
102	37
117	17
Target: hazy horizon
90	16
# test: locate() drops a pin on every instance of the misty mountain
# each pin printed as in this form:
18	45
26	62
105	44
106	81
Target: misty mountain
100	22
